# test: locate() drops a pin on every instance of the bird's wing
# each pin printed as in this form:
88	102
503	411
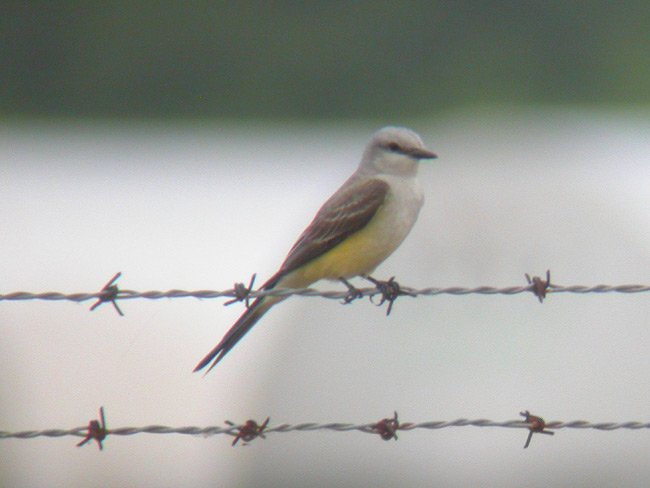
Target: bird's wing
346	212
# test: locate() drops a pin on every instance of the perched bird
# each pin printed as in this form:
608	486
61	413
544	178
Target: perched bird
353	232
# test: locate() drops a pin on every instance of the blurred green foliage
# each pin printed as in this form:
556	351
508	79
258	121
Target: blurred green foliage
317	59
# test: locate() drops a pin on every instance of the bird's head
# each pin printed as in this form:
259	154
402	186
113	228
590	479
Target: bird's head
395	151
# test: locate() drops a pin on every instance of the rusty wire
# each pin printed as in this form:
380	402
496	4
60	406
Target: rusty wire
236	293
371	428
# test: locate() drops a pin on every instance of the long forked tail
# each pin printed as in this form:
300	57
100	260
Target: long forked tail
237	331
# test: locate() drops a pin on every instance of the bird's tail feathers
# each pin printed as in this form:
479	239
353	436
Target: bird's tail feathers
237	332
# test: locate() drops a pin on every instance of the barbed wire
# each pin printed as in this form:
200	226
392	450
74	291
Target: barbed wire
111	293
313	292
386	428
336	427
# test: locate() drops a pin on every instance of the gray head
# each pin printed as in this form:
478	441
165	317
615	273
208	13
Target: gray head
394	150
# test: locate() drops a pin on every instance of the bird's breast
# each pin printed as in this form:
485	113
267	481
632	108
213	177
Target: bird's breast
363	251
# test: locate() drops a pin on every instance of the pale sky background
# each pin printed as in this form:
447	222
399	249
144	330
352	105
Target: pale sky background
194	207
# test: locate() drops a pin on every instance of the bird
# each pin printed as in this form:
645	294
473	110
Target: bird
354	231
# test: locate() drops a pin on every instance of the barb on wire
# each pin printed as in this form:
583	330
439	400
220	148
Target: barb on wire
109	294
382	428
242	292
249	431
535	424
96	430
237	294
387	428
389	290
538	286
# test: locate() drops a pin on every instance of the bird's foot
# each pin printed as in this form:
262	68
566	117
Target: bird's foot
353	292
389	290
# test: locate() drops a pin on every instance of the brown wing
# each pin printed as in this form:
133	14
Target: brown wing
346	212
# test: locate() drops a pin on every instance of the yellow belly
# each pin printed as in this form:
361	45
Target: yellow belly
357	255
363	251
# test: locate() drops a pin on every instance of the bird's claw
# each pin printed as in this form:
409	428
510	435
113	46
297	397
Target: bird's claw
389	290
353	292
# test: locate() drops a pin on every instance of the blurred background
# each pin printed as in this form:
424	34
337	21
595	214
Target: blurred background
384	60
188	145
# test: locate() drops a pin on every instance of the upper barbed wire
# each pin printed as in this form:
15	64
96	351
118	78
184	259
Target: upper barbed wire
123	294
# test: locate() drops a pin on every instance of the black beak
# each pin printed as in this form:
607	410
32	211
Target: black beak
422	154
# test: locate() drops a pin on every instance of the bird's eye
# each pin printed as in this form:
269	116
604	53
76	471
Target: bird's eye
394	147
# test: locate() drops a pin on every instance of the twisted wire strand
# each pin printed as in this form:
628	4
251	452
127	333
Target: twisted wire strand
336	427
312	292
